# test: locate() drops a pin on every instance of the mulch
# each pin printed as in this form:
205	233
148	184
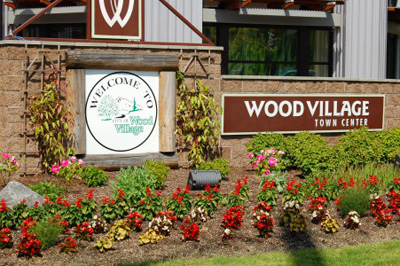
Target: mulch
245	241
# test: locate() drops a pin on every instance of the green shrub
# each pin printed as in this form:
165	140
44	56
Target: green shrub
311	154
94	177
47	233
53	191
359	147
354	199
268	141
217	164
134	181
159	169
389	140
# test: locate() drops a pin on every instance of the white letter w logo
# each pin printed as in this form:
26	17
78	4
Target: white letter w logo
117	6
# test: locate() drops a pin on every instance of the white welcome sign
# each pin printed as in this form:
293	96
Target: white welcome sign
121	112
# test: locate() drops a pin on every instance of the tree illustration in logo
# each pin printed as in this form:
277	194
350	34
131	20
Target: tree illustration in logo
108	107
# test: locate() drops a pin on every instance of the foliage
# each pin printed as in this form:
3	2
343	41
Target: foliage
198	216
111	210
133	181
320	189
263	220
384	217
163	222
359	147
93	176
134	221
53	191
99	226
160	171
266	162
197	121
389	144
292	218
5	215
293	193
372	185
263	141
394	185
311	154
150	204
83	210
119	230
28	245
217	164
68	246
69	169
232	220
269	194
8	167
6	240
47	232
206	203
214	191
352	220
84	232
150	236
279	179
240	195
329	225
50	118
180	203
104	244
354	199
190	232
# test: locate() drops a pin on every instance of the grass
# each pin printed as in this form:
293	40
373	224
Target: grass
385	174
386	253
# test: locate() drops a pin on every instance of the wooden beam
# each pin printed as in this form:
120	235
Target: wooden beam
167	103
76	87
10	4
122	61
116	162
329	7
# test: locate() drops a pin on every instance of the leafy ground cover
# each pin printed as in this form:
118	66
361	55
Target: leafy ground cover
245	240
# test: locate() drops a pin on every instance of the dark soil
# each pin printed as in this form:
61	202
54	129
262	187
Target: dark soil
245	241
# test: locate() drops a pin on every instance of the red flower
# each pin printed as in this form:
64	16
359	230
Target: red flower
89	195
121	194
396	180
105	200
148	192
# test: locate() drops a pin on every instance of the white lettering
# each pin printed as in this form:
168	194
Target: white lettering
254	107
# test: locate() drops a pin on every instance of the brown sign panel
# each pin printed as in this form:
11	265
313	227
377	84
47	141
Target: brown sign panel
117	19
250	114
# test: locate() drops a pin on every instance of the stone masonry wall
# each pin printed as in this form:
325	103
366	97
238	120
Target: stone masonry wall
13	58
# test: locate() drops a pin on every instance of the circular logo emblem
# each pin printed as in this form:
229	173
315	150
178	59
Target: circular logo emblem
121	111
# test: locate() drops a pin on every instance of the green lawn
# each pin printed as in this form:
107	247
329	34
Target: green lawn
387	253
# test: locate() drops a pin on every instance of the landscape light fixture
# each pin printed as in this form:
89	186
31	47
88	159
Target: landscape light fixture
397	161
199	178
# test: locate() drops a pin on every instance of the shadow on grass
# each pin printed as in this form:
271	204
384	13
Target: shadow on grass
301	249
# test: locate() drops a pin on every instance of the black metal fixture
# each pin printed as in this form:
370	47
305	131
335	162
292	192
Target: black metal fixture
199	178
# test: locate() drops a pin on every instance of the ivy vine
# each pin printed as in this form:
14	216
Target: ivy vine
50	118
197	121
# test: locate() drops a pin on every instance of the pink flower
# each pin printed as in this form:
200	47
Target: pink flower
55	169
81	162
64	163
18	165
255	164
13	159
269	152
6	155
72	159
266	172
281	153
272	151
272	161
260	157
250	155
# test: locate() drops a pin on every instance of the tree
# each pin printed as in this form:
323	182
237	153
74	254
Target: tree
108	107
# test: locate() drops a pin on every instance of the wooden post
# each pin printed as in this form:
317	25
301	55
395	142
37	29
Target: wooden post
76	81
167	110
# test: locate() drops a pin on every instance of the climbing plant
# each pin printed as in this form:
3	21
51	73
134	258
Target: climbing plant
197	123
50	118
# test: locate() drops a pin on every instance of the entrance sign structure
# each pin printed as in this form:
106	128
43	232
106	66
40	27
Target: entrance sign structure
121	19
124	107
285	113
